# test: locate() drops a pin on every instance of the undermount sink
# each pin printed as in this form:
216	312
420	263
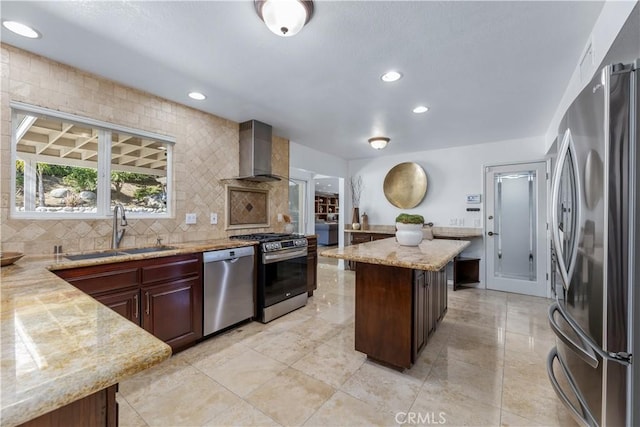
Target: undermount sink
147	250
132	251
92	255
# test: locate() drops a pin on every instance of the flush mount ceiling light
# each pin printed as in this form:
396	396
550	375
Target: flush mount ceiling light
420	109
197	96
21	29
378	142
284	17
391	76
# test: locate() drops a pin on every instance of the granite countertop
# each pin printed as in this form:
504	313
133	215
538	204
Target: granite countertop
59	344
439	232
61	263
432	255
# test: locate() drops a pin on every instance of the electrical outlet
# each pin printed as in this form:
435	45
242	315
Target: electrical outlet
190	218
280	218
214	218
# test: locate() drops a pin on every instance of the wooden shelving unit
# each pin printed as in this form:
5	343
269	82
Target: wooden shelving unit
326	204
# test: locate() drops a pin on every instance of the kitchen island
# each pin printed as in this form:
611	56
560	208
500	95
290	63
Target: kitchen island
401	295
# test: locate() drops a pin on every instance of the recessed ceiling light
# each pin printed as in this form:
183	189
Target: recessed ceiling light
21	29
391	76
197	96
420	109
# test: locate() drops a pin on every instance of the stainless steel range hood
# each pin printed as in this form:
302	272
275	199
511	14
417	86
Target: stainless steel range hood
255	152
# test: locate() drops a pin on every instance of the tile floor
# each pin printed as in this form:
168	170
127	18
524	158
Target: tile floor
484	366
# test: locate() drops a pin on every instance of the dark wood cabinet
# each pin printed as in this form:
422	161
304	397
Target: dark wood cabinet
125	303
360	237
162	295
421	312
397	309
312	264
173	311
465	270
97	409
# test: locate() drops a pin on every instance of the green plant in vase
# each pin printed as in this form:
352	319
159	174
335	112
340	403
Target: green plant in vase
409	229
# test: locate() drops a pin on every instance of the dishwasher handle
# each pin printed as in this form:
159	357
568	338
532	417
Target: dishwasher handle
228	254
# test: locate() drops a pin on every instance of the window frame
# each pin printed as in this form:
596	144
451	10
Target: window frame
105	130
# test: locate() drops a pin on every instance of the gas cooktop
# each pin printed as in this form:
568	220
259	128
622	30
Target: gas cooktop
267	237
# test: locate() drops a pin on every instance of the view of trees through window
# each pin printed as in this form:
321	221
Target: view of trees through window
58	162
74	189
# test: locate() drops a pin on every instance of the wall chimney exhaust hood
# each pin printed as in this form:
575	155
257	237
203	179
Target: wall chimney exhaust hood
255	152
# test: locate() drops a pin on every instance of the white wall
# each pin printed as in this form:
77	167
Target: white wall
452	173
613	16
306	163
305	158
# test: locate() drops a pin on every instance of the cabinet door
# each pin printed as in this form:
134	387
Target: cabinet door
125	303
173	311
420	314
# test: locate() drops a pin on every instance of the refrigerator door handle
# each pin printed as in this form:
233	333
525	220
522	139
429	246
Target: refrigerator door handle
593	348
583	416
587	356
566	148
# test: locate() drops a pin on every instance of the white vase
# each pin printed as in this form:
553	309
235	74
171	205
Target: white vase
408	234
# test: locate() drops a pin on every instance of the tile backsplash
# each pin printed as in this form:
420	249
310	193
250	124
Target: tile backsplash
205	156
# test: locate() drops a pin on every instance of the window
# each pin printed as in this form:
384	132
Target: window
70	166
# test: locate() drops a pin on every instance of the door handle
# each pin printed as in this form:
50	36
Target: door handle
582	415
491	233
588	357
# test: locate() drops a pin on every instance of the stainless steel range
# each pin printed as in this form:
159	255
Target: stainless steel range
282	273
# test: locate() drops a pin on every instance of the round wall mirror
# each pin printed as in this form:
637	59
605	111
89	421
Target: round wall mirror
405	185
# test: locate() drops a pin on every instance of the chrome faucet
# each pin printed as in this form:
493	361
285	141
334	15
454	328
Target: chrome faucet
117	235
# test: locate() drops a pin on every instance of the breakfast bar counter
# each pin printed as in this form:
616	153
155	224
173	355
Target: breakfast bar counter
431	255
401	295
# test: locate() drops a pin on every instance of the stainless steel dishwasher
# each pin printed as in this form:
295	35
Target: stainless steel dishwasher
228	287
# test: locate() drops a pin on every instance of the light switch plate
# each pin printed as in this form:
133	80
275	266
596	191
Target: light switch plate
214	218
190	218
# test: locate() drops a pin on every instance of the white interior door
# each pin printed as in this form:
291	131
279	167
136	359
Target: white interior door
516	231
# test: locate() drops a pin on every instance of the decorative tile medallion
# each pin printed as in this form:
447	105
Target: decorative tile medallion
247	207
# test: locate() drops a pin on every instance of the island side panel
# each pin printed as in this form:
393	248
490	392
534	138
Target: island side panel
383	323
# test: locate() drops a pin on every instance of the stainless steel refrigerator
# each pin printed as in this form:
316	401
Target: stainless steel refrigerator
595	222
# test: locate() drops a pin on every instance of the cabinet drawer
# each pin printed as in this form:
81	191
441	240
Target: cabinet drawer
174	268
95	280
381	236
360	238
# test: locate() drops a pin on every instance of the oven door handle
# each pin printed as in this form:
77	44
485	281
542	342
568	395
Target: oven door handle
270	258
